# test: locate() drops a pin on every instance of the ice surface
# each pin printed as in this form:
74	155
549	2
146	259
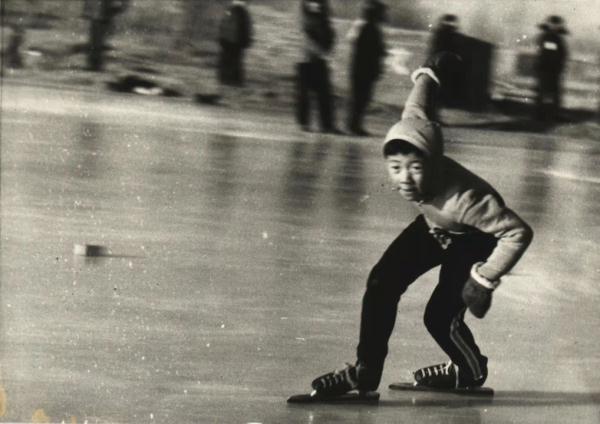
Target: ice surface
239	249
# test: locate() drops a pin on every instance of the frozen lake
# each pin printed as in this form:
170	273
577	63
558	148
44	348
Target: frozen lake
238	253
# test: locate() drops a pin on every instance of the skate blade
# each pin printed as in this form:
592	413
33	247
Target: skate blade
475	391
348	398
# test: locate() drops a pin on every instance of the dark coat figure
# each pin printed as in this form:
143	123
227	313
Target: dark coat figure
13	55
444	37
366	65
235	36
313	75
101	14
549	67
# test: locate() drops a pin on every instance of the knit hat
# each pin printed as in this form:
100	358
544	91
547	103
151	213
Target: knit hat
423	134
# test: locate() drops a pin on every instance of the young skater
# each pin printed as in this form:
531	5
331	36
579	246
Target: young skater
464	226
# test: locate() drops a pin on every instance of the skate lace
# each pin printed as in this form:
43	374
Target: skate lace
439	369
339	377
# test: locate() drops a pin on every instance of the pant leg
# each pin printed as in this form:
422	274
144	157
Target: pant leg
361	92
539	97
445	310
324	90
235	67
545	95
237	64
302	93
222	66
98	31
226	64
414	252
556	94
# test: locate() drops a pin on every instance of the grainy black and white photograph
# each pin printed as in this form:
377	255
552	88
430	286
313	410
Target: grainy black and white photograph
300	211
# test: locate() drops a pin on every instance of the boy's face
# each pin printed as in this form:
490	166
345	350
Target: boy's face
409	174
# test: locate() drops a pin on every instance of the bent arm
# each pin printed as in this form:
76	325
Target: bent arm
491	216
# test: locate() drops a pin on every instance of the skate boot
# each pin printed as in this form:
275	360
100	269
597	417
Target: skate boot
440	376
448	376
336	383
351	384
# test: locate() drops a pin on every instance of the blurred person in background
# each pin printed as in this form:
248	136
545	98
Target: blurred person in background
549	67
14	58
101	14
313	75
366	64
17	15
444	36
447	38
235	36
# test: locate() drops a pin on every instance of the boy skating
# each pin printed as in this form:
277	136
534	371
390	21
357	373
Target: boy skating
464	226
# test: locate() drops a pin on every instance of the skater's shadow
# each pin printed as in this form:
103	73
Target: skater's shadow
440	407
500	399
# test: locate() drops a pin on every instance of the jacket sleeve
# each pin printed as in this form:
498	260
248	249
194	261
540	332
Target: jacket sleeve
488	214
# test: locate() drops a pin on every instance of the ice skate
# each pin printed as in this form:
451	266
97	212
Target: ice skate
443	377
337	386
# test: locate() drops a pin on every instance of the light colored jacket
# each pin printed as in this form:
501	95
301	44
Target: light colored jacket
460	201
463	202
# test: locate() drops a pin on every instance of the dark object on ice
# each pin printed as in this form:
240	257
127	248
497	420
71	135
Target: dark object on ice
90	250
140	85
208	99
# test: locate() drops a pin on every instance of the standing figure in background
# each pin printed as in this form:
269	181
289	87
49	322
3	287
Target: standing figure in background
235	36
313	72
443	38
549	67
101	15
366	65
446	38
14	58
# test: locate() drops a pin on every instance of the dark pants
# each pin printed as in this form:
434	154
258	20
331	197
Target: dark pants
313	78
414	252
231	65
361	94
99	32
549	95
